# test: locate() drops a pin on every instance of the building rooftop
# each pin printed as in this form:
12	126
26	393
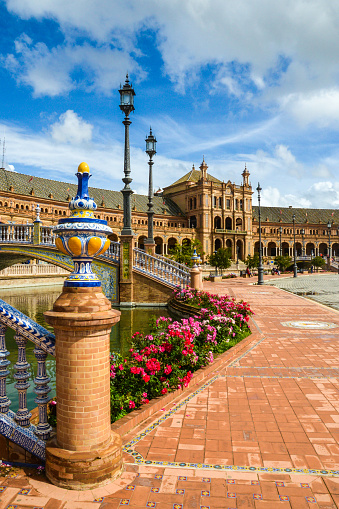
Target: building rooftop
194	176
42	188
302	215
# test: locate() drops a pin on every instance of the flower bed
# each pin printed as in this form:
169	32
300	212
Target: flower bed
165	360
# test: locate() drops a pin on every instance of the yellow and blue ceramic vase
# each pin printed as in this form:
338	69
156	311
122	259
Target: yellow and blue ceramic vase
82	236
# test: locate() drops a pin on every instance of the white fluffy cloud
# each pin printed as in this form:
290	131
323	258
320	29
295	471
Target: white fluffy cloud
289	43
49	71
320	107
71	129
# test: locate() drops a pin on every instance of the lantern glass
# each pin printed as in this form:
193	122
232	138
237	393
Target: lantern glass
329	224
151	143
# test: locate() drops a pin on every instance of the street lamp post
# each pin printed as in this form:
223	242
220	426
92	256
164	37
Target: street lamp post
295	267
302	231
151	151
329	226
126	105
280	231
260	266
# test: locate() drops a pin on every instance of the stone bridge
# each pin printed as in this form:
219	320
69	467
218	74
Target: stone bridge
154	276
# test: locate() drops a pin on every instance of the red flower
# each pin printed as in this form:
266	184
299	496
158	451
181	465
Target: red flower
164	390
168	369
146	378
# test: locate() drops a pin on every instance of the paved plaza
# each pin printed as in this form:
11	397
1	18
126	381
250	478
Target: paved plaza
260	431
323	288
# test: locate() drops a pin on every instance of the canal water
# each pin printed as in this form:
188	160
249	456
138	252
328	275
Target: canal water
33	301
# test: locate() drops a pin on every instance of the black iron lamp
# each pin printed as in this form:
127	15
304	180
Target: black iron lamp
151	144
127	106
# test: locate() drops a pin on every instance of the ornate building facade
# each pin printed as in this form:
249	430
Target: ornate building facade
197	206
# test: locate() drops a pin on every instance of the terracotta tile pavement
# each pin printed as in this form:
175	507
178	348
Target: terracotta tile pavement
274	407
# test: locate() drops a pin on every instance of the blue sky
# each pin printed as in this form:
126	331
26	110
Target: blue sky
251	81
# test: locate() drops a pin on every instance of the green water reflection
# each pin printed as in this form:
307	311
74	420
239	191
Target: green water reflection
33	302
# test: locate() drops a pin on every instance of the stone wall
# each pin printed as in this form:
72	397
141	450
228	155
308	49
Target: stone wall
150	291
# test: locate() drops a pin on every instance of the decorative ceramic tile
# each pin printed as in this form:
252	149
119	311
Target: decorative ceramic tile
231	495
130	487
155	490
124	501
158	476
100	499
182	478
284	498
151	504
255	483
206	479
280	484
230	481
205	493
304	485
312	500
180	492
2	488
24	491
257	496
177	506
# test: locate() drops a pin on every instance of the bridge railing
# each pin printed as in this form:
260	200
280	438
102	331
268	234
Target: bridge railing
47	235
113	252
16	233
16	426
161	268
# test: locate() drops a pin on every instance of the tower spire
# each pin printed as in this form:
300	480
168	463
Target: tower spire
203	168
245	174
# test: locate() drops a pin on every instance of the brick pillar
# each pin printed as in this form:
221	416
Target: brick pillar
85	452
126	270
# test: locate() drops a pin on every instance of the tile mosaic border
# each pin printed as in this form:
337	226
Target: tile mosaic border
231	468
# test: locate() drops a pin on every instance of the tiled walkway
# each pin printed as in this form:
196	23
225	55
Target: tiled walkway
261	432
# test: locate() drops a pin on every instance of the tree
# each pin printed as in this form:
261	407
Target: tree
283	262
318	262
221	259
184	252
252	262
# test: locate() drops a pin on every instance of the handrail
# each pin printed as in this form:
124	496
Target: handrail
163	270
16	233
16	426
181	266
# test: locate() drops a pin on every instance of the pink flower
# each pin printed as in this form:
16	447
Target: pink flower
168	369
121	367
146	378
131	404
164	390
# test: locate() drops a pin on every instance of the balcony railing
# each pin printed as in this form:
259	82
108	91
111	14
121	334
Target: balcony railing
231	232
